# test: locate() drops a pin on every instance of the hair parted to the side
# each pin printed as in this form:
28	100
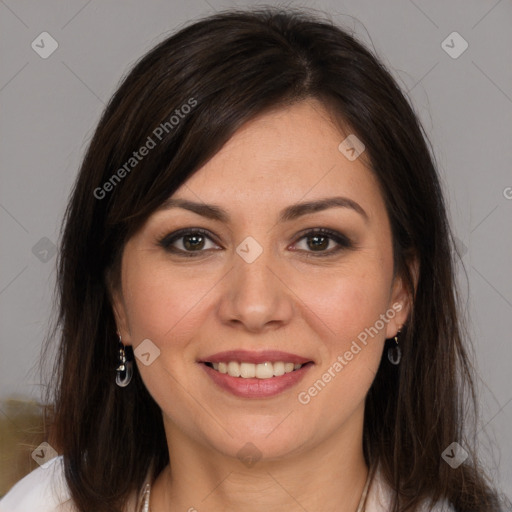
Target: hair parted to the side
236	65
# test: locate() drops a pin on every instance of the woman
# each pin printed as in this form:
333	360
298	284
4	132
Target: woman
257	298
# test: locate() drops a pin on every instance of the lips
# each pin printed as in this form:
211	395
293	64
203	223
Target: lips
264	387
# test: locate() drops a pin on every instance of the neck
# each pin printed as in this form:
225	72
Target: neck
330	477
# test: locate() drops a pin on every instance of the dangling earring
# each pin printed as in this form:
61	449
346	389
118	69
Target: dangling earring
125	368
394	352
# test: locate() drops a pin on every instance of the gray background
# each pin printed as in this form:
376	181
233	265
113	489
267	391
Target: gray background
50	108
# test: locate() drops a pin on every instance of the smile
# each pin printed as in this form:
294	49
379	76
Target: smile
244	370
248	385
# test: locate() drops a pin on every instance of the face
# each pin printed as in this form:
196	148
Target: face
195	285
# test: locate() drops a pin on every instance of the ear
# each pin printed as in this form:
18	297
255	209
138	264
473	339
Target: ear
402	299
118	307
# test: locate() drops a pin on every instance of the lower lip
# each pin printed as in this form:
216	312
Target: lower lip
257	388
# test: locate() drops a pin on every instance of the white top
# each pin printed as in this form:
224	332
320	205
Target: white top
45	490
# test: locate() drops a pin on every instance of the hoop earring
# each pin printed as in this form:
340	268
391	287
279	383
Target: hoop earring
394	352
125	368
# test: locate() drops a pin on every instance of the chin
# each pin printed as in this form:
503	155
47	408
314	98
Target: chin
265	440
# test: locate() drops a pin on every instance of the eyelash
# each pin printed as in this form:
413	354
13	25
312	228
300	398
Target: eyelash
342	241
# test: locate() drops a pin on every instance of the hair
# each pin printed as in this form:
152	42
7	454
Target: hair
229	68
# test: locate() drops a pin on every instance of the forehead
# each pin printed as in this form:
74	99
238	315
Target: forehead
281	157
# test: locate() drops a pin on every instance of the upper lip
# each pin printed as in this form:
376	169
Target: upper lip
247	356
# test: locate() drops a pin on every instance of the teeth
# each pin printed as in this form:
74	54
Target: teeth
247	370
233	369
278	368
265	370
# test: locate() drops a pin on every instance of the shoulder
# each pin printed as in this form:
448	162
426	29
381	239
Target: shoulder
42	490
380	497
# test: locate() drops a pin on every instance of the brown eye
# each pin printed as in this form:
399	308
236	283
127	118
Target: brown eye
190	240
318	241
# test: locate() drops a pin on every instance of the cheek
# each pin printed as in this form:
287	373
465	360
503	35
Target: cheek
347	317
146	307
163	308
343	303
158	301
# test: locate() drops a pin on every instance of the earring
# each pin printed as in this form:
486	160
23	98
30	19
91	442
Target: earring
394	352
125	368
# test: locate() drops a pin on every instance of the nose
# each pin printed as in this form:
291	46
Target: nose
255	296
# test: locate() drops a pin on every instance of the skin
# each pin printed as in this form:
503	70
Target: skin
287	299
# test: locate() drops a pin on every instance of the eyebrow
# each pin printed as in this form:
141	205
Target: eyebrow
289	213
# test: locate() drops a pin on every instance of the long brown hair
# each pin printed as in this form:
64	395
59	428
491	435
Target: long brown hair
228	68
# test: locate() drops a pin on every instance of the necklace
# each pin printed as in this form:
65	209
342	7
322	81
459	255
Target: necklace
146	494
362	502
